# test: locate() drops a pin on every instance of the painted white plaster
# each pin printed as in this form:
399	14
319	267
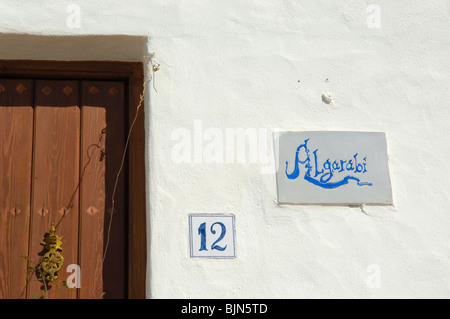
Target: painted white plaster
263	64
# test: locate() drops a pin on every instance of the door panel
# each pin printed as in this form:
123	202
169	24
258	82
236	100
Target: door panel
56	174
98	96
92	192
61	147
16	136
127	262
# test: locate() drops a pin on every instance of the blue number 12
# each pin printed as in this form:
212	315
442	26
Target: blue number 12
202	233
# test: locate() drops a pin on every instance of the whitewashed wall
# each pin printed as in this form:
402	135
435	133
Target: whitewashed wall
266	64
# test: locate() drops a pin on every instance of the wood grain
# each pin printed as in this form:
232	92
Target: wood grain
107	99
116	262
92	203
56	175
16	136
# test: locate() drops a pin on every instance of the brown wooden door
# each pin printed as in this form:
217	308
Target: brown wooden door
61	146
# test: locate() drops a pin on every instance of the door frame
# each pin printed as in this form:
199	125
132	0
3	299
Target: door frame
132	73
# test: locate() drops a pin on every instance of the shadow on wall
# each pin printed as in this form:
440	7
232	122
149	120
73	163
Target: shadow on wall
73	48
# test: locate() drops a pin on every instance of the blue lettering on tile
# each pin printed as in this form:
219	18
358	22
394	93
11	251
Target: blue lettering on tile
321	174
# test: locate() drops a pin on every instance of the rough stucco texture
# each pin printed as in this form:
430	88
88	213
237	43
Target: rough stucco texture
266	64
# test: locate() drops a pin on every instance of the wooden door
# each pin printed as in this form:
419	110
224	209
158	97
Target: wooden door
61	147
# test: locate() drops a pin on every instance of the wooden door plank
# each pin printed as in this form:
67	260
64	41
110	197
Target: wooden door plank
92	200
56	175
16	136
98	96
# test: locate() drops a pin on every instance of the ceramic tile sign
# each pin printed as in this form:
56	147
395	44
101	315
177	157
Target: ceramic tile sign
212	235
333	168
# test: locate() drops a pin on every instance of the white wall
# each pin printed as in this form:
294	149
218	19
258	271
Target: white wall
264	64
